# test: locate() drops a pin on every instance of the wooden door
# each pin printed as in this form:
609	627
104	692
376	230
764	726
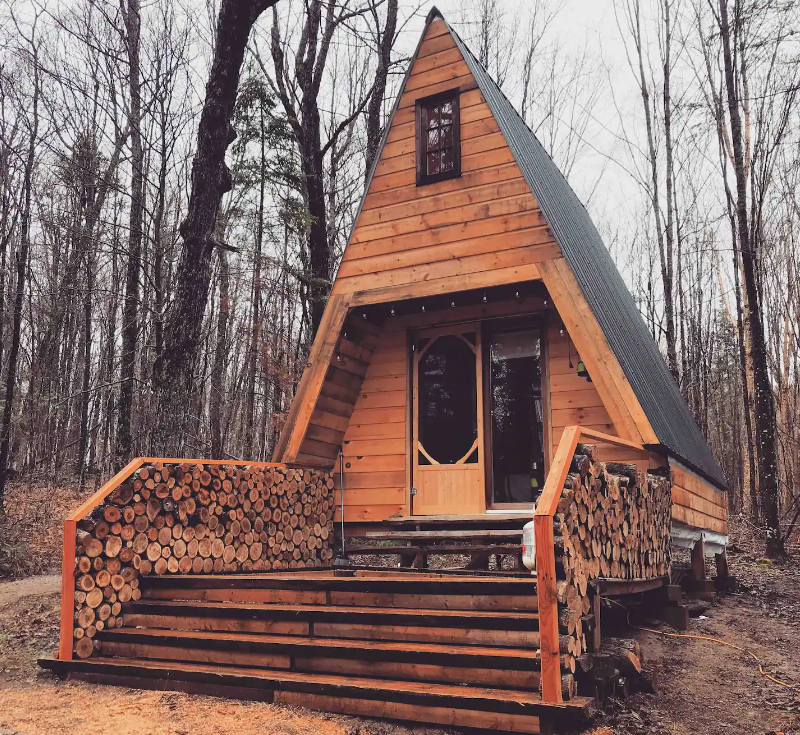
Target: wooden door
447	439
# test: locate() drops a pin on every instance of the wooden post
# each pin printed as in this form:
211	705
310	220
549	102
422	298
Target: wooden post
67	592
546	565
722	565
596	634
699	561
548	609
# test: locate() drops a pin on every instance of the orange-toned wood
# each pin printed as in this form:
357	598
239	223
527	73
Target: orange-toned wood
305	402
70	527
618	397
452	284
457	488
545	550
67	592
374	441
696	502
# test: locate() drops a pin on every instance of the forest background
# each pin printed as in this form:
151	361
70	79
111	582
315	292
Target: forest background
126	328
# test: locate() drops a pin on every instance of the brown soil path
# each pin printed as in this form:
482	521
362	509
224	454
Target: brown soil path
44	584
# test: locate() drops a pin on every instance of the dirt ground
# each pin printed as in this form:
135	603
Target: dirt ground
705	687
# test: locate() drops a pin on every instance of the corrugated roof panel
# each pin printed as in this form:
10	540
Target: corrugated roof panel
602	285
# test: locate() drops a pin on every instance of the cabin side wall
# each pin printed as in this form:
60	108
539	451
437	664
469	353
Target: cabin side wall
696	502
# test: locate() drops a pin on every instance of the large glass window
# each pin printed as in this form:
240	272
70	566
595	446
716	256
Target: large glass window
515	399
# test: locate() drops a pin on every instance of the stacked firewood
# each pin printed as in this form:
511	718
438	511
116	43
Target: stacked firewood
194	518
612	522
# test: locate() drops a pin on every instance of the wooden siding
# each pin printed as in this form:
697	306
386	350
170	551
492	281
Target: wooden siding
486	221
341	386
375	467
696	502
573	400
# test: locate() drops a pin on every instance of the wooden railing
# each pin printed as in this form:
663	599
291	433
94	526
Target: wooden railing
545	551
70	530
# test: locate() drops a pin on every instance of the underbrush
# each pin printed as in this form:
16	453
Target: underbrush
31	528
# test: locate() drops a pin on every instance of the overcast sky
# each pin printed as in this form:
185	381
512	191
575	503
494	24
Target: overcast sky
599	174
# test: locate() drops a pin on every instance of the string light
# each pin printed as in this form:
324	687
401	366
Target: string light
484	297
392	310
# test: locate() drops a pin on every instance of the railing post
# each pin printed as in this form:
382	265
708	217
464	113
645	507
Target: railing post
548	609
67	592
546	564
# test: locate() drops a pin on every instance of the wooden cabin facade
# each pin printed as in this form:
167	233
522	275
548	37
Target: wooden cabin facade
475	315
479	353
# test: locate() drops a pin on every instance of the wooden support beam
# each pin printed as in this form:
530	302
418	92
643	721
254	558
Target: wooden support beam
305	401
597	638
699	562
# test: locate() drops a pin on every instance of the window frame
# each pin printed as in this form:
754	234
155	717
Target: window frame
421	138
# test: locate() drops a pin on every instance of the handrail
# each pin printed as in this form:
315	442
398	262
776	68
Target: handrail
545	552
71	525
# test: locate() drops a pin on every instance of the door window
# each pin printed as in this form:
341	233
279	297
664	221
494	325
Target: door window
448	424
517	427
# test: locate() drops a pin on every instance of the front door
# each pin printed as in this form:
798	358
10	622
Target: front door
447	442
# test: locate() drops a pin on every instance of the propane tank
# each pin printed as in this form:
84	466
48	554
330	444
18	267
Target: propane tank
529	546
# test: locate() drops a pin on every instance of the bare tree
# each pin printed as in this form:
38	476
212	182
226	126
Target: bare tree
210	181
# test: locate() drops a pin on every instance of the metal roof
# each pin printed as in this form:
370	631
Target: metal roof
601	283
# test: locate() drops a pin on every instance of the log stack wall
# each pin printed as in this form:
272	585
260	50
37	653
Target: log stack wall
191	518
612	522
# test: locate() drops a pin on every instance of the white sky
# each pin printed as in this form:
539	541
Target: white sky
590	25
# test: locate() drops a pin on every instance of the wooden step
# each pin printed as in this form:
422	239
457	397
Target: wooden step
433	662
443	704
399	591
482	520
464	549
519	629
498	534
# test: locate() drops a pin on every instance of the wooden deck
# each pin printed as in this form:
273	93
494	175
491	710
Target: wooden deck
447	649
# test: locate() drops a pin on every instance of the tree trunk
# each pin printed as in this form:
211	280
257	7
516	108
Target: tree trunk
374	121
763	398
130	311
210	181
83	441
19	293
255	327
663	235
218	368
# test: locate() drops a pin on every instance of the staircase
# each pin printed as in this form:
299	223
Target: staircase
449	649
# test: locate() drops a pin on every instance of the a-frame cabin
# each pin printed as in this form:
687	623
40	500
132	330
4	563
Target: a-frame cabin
476	314
479	352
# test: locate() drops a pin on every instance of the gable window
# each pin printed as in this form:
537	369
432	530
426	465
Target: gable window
438	138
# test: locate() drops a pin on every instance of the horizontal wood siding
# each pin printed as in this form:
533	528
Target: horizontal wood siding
341	388
375	477
576	401
696	502
486	221
573	400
